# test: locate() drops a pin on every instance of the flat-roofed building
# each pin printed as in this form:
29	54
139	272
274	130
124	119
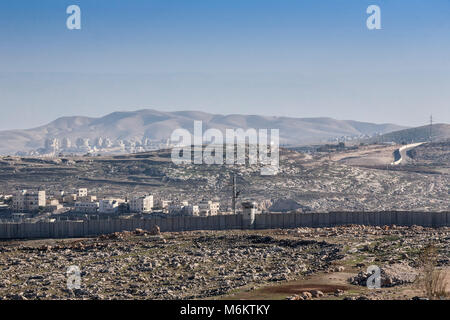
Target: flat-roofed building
28	201
70	198
191	210
52	202
82	192
141	204
163	204
87	198
86	207
110	206
208	208
175	208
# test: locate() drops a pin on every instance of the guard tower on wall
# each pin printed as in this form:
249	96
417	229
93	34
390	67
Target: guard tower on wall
248	214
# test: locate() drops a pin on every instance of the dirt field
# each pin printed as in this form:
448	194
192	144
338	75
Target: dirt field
269	264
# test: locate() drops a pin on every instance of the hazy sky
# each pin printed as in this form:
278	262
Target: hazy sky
271	57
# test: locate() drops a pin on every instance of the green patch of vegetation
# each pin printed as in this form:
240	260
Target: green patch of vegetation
355	259
390	238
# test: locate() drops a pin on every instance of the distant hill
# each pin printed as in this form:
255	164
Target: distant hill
158	126
440	132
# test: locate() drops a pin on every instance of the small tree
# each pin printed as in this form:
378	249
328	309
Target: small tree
432	280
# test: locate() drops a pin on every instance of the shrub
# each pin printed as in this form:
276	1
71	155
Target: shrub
432	280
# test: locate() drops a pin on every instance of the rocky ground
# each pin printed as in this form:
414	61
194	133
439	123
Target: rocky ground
273	264
347	180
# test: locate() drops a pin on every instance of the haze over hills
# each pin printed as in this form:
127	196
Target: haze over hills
438	132
153	125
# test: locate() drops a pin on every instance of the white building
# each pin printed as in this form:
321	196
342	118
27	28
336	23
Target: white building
4	197
52	202
86	207
208	208
191	210
52	145
141	204
163	204
110	205
66	143
28	201
82	192
175	208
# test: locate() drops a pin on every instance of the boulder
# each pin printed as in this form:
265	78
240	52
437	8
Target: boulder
306	295
155	231
316	293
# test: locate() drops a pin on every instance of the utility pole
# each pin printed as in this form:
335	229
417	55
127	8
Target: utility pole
234	195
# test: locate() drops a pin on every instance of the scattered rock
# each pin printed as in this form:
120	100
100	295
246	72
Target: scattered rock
155	231
316	293
338	292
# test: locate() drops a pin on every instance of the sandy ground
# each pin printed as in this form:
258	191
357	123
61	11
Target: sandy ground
328	283
367	156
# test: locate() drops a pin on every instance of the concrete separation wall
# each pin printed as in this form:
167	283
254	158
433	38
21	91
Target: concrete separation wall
74	229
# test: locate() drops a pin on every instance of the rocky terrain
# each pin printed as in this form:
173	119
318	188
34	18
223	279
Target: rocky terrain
347	180
236	264
430	157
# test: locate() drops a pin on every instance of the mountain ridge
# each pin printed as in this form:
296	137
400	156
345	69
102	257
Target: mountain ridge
437	132
158	125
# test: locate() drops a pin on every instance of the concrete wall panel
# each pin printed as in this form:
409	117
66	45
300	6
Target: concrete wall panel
292	220
307	220
64	229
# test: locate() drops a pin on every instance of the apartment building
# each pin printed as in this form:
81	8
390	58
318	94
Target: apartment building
109	206
28	201
82	192
141	204
86	207
208	208
87	198
191	210
163	204
175	208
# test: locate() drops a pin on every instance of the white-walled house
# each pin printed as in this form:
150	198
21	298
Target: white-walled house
28	201
86	206
141	204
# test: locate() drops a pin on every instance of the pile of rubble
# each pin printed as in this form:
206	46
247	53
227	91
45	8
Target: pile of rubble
154	231
391	275
307	295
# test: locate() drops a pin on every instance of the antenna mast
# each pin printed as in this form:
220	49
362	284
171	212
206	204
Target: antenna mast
234	195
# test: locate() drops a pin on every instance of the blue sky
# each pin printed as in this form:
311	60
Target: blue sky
271	57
